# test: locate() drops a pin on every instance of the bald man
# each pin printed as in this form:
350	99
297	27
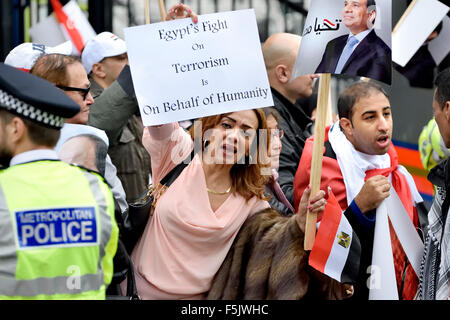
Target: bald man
280	51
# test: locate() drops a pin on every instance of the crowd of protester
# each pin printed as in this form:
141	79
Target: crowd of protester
228	212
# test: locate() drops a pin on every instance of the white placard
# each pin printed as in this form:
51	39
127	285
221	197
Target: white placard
440	46
415	29
183	70
51	33
324	23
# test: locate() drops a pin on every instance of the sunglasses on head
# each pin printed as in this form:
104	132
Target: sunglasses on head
85	91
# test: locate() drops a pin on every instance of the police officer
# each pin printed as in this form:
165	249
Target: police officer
58	235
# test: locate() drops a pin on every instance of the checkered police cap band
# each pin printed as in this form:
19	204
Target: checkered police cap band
28	111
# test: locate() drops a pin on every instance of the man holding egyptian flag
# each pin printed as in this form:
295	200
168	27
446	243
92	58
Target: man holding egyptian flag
380	200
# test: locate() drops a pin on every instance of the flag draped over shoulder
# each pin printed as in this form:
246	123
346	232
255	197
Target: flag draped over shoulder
397	246
400	184
336	251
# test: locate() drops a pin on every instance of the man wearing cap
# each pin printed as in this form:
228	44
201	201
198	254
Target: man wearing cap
58	235
25	55
115	110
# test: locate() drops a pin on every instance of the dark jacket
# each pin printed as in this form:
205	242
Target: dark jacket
435	266
276	204
371	58
115	110
296	125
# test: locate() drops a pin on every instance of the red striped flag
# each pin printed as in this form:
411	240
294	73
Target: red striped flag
336	251
68	24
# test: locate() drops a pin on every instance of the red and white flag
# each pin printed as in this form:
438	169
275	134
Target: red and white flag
68	25
336	251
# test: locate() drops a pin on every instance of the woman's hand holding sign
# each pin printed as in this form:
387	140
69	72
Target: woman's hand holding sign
180	11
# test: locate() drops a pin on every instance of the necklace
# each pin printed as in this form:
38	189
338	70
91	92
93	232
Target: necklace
218	193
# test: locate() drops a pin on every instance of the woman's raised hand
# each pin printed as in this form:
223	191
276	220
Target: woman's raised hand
180	11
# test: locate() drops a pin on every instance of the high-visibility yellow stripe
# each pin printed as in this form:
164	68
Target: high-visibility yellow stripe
55	272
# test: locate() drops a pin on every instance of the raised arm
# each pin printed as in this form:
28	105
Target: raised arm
168	145
112	109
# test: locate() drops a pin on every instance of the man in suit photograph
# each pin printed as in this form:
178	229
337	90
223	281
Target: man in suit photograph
362	52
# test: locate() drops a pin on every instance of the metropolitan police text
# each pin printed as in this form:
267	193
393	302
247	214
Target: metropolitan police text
56	226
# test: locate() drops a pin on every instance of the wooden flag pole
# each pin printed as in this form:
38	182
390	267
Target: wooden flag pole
329	116
147	11
162	10
317	156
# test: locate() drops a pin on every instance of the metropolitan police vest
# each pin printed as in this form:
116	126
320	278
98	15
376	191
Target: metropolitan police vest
58	235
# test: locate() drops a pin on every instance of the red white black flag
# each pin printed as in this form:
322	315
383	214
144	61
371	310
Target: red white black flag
336	251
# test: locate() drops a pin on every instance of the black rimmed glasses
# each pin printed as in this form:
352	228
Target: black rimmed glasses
84	91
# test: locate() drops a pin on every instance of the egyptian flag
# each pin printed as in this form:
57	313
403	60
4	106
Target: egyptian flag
68	25
336	251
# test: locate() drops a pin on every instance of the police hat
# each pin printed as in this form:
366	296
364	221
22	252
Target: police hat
34	98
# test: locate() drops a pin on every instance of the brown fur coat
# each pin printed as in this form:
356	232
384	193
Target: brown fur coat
267	261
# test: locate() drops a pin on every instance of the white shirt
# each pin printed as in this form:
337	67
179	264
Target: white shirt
33	155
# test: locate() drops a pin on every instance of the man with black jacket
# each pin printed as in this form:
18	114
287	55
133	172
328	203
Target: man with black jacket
280	51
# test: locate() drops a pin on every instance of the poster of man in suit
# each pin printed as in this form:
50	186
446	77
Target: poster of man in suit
351	37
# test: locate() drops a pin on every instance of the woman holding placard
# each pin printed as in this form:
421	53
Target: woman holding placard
197	218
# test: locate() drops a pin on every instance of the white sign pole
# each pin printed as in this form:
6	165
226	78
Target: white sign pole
162	10
317	156
147	11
